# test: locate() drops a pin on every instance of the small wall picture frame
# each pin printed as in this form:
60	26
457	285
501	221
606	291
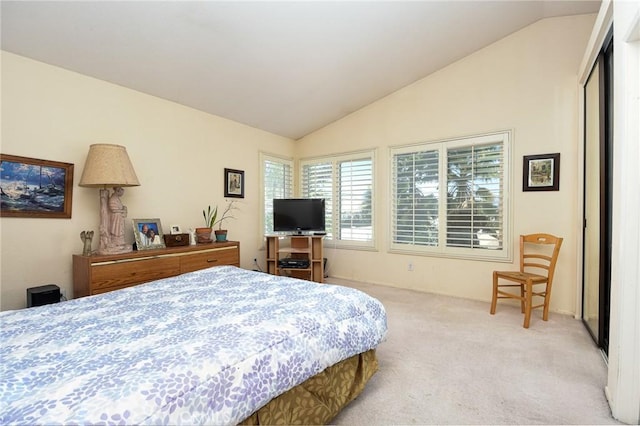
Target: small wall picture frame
148	234
175	229
233	183
541	172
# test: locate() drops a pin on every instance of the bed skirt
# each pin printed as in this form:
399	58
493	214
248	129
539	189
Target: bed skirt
319	399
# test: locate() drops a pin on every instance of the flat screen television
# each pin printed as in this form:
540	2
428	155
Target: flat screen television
298	215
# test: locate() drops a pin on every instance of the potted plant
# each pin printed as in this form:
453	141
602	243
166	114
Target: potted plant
221	234
203	234
211	219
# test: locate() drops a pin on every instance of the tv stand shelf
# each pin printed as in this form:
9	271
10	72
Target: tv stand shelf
307	247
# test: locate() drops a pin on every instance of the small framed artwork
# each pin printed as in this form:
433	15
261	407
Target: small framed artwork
175	229
148	234
541	172
35	188
233	183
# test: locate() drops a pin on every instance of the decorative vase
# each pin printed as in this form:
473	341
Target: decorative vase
203	235
221	235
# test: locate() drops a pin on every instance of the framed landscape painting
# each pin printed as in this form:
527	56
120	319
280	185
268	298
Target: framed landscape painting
31	187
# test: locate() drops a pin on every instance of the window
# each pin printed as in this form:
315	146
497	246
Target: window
277	176
450	197
346	184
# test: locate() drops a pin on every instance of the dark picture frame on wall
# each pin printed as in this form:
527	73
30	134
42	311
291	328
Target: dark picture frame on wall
233	183
32	187
541	172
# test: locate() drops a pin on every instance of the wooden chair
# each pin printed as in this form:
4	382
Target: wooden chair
538	252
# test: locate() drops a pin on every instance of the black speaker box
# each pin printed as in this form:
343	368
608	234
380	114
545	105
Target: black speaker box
43	295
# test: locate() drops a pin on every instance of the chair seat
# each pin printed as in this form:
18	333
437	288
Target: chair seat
521	276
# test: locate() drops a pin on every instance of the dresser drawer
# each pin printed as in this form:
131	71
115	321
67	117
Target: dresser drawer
111	276
102	273
209	258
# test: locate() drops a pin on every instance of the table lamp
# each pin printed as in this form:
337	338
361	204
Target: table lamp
107	166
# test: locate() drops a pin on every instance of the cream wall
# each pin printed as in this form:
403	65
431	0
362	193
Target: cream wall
179	155
526	82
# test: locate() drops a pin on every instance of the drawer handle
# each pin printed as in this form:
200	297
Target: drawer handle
212	260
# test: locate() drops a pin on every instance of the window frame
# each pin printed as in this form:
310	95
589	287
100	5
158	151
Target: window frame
335	160
441	249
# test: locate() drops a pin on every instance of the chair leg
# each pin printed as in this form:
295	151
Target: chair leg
494	299
547	298
527	304
522	298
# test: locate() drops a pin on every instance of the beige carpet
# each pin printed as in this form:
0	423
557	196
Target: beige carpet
448	361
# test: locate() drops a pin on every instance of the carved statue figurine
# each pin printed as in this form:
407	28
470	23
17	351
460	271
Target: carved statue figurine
117	215
86	237
112	222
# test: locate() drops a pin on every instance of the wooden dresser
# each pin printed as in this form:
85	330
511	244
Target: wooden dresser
102	273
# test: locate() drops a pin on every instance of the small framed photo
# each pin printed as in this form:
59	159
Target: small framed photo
35	188
175	229
541	172
233	183
148	234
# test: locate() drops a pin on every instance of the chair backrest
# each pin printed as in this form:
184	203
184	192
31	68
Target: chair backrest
539	252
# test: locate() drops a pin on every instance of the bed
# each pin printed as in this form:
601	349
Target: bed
222	345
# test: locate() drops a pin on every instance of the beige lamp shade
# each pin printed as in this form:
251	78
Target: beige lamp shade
108	165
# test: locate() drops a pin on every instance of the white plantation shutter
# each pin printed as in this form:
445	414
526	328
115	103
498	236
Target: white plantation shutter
354	186
450	198
277	182
415	203
317	182
346	184
475	220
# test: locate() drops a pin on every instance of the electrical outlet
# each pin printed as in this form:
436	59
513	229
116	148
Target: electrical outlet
410	267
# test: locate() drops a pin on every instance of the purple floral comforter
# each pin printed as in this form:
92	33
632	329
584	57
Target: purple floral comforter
208	347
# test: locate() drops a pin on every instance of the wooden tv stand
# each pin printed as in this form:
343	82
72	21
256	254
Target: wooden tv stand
307	247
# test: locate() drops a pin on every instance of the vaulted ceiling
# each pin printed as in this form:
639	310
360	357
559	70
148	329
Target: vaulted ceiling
287	67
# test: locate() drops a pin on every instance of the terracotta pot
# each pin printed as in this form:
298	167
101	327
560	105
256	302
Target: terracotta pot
221	235
203	235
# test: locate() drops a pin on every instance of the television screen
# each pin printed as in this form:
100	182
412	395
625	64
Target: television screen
298	215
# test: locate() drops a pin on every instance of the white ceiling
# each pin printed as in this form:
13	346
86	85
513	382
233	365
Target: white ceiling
286	67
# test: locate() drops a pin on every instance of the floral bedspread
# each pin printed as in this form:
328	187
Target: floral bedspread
208	347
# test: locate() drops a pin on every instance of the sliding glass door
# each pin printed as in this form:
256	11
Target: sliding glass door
598	167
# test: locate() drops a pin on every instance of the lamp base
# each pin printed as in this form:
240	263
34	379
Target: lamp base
112	214
115	250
